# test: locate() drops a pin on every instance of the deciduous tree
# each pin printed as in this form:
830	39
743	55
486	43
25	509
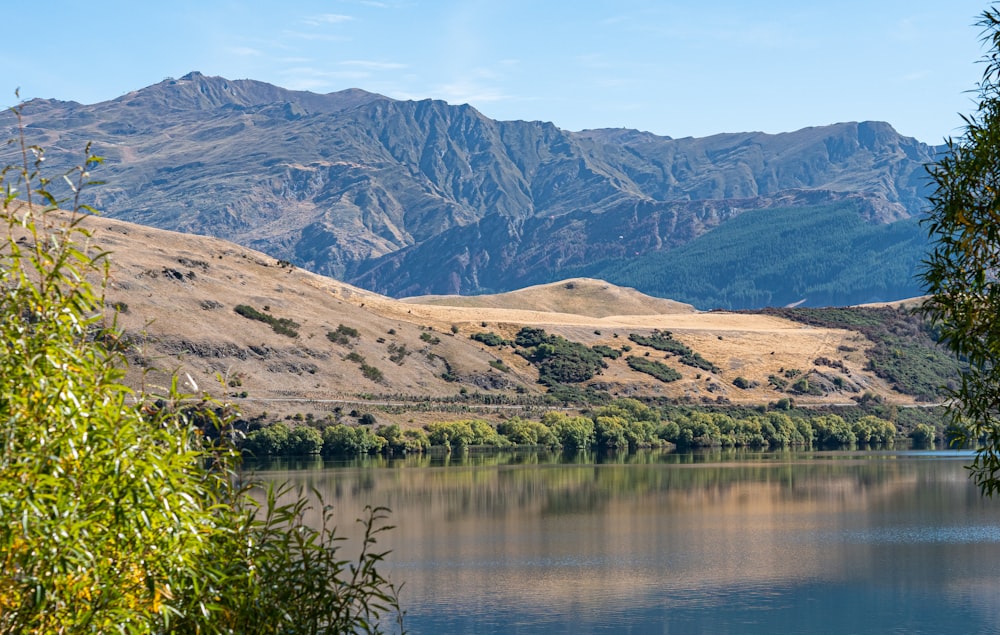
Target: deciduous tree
961	272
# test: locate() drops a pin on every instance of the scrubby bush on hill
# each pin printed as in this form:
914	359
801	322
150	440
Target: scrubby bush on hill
490	339
342	335
905	351
281	326
656	369
664	341
559	361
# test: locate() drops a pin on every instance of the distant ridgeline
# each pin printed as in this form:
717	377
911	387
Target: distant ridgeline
421	197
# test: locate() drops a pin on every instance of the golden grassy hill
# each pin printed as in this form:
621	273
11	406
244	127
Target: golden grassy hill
579	296
178	293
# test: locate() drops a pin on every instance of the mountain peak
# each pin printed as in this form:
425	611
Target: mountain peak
197	91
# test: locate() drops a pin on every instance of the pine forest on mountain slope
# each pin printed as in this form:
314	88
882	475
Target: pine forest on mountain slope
823	256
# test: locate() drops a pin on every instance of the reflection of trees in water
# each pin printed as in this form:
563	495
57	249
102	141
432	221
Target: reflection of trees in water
493	532
507	483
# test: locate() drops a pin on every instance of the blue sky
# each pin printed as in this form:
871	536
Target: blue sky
672	68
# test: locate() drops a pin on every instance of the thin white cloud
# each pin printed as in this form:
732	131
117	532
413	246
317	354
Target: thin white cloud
305	83
323	37
594	61
913	76
374	65
907	30
613	82
469	93
618	19
245	51
327	18
310	78
375	4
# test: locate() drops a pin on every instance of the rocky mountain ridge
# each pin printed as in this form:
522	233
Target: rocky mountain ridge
417	197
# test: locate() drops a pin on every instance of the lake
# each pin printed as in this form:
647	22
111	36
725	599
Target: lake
659	542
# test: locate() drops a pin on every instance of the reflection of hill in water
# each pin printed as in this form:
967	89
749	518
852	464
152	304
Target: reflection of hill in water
633	527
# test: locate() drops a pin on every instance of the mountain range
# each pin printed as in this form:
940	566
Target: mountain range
407	198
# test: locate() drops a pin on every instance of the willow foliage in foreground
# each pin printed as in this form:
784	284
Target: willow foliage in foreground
962	272
117	515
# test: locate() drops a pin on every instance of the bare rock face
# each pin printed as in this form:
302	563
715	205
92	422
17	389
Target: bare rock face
406	198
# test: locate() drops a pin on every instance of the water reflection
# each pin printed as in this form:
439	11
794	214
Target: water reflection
723	541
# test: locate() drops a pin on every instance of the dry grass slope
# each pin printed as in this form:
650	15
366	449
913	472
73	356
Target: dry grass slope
579	296
178	293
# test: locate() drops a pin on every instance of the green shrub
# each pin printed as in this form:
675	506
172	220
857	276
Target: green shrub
490	339
654	368
784	404
347	331
695	360
450	435
414	440
459	434
272	440
661	341
304	441
343	440
342	335
873	430
832	431
559	361
429	338
281	326
573	433
371	372
668	431
664	341
923	436
527	432
803	386
119	513
397	353
611	432
607	351
570	394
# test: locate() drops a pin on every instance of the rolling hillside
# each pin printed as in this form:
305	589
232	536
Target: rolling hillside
237	324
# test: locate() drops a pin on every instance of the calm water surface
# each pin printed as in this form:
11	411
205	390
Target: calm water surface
819	542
